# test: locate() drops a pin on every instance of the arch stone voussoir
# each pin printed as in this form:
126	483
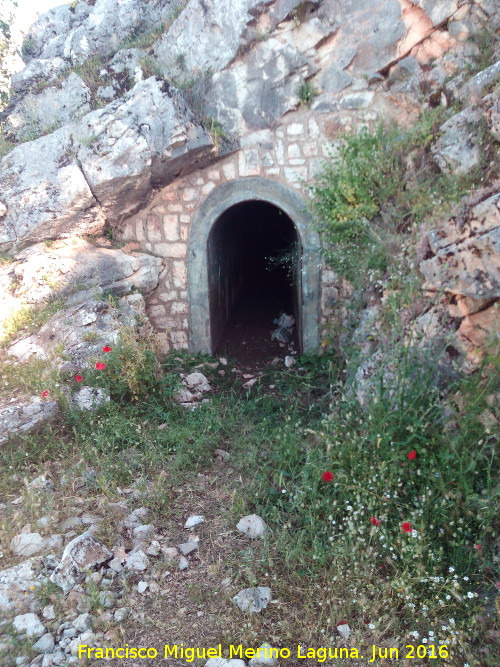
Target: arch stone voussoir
219	201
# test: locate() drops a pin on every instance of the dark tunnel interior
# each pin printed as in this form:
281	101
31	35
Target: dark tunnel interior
248	287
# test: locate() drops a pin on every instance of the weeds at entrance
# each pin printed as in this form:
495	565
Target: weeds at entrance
400	532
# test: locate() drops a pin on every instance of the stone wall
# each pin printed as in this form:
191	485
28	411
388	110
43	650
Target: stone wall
290	155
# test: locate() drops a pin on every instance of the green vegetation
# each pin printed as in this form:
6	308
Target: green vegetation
28	47
402	535
215	129
150	67
90	71
366	197
28	318
142	38
5	145
306	93
485	41
300	13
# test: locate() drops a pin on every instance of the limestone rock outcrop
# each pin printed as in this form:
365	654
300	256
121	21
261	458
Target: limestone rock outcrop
466	249
107	163
22	416
118	125
465	265
43	112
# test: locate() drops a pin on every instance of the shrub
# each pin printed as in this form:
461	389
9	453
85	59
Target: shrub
28	47
133	371
364	198
306	93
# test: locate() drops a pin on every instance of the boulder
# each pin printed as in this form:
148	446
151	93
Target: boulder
16	581
27	544
29	625
83	553
41	270
113	157
458	149
90	398
253	599
136	147
81	330
252	526
475	88
45	191
21	417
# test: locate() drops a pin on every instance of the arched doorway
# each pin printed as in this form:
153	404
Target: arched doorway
219	273
254	272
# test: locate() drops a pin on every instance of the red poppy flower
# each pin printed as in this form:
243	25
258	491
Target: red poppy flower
412	455
406	527
478	547
100	366
78	378
375	521
327	476
45	393
106	348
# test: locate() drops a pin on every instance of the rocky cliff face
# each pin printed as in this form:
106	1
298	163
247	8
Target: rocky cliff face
120	99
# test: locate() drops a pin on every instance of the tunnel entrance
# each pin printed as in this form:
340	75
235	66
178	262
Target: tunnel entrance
306	292
253	277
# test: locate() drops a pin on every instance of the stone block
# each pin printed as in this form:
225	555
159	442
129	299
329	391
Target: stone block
179	307
157	311
295	129
310	149
207	188
249	163
153	228
140	234
190	194
175	250
170	195
171	227
179	274
229	171
179	340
